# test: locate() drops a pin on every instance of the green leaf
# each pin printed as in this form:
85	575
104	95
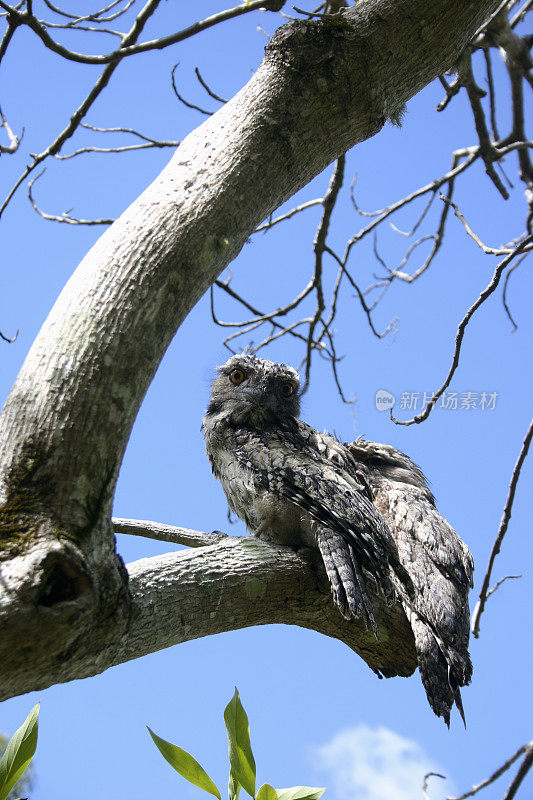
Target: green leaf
240	751
266	792
187	766
300	793
18	753
234	787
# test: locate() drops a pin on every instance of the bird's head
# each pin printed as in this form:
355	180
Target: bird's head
253	389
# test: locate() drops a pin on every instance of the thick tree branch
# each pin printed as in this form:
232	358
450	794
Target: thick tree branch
181	596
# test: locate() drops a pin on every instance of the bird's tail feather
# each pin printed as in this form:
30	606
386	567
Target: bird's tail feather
348	585
443	670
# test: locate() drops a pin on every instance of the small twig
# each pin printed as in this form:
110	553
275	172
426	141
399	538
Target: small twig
312	14
469	154
519	16
504	293
461	331
366	308
526	749
499	583
14	141
121	149
506	516
419	221
181	98
319	247
273	336
66	217
502	6
493	251
8	35
451	90
425	783
95	16
488	153
334	361
148	142
226	288
9	341
265	226
269	317
437	237
167	533
208	90
492	95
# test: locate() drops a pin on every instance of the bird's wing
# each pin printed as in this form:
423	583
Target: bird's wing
440	567
438	562
300	465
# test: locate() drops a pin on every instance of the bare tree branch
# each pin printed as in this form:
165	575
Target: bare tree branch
506	516
167	533
319	247
181	98
494	251
425	783
500	582
96	16
128	48
519	17
207	88
492	94
486	147
81	111
14	141
461	331
523	769
527	751
9	341
148	142
65	217
504	293
265	226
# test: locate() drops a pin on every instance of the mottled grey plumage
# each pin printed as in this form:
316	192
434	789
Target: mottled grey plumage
297	487
440	567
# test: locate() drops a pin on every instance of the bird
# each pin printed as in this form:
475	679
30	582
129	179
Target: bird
364	507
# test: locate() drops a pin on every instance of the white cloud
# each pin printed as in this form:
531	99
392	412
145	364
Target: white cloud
377	764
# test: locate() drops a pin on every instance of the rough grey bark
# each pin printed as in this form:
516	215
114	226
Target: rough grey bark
321	88
193	593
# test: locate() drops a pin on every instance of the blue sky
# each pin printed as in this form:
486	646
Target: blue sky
318	715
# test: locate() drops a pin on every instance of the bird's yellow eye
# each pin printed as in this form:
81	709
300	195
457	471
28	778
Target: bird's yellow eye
286	389
237	376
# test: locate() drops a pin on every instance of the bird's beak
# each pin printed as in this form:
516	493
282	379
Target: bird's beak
254	394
